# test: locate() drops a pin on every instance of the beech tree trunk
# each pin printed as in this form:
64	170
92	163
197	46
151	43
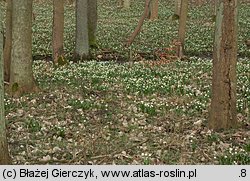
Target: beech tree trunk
215	7
177	9
21	75
8	41
82	38
58	29
139	25
182	28
4	153
153	11
92	22
223	105
126	4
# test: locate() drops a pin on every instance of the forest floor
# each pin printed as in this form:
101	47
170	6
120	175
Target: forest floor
154	111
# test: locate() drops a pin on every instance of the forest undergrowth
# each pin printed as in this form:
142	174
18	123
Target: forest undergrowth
106	111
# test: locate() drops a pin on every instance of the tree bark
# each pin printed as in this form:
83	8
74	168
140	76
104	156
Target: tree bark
82	39
223	104
92	22
215	7
8	41
177	9
140	23
4	152
153	11
126	4
58	29
21	75
182	28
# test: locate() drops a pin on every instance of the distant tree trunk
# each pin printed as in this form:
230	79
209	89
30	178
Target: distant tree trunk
177	9
120	3
92	22
215	7
126	4
223	105
140	23
82	39
58	29
153	11
21	76
182	28
4	152
8	41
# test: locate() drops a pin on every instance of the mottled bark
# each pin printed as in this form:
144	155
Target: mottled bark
8	41
182	28
82	39
58	29
223	105
92	22
215	7
4	153
153	11
177	9
21	75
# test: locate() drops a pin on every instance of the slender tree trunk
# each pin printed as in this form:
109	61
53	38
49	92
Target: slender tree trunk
182	28
120	3
92	22
82	39
8	41
153	11
126	4
21	75
4	152
58	29
223	105
177	10
140	23
215	7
